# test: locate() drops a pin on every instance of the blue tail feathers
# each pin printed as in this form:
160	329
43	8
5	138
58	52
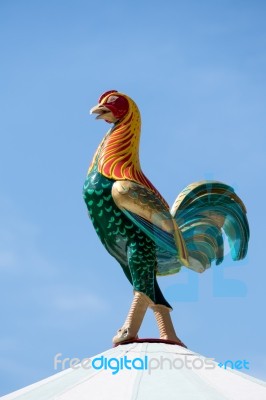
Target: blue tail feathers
203	210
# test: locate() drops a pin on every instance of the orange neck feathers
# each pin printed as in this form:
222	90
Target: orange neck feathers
117	156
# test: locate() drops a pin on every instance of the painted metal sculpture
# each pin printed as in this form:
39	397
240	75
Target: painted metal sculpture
136	226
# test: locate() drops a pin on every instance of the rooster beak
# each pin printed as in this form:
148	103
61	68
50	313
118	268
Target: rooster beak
99	109
94	110
103	113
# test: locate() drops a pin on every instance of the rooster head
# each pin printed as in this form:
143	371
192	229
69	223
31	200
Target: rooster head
112	106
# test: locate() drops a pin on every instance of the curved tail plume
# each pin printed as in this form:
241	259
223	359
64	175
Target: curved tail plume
203	210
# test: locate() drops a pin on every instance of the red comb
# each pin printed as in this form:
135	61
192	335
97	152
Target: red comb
106	93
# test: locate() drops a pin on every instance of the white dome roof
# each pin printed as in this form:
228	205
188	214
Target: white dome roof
183	375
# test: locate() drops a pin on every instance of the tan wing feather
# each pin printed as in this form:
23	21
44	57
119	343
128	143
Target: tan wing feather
137	199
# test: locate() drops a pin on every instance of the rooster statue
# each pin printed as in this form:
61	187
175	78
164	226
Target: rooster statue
136	226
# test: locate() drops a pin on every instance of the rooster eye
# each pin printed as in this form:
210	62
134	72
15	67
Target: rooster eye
112	99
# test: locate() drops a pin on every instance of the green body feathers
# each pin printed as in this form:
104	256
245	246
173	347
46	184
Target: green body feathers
126	242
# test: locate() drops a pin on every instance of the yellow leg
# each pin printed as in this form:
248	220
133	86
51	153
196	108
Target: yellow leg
134	319
164	322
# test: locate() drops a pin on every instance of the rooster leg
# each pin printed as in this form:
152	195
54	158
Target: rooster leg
164	322
134	319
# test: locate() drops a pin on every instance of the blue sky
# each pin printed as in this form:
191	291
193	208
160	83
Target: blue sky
197	71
